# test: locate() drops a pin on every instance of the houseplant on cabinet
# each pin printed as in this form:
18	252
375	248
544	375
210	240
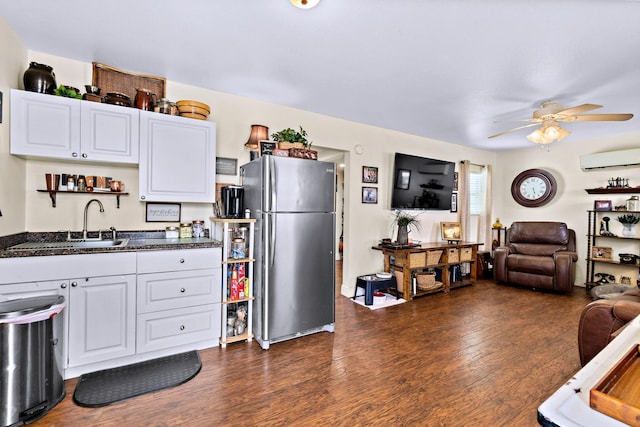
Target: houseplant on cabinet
405	222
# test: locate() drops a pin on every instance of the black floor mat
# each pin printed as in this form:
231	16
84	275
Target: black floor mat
113	385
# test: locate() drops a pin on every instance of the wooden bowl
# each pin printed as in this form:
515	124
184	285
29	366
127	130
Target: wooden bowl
193	104
194	116
193	110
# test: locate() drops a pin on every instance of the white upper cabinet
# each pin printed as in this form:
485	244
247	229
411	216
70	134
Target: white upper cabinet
64	128
177	159
44	125
109	133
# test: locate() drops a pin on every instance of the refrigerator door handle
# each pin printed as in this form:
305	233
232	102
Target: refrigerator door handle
273	197
272	239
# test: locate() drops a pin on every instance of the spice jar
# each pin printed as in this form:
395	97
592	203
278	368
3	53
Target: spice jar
633	203
171	233
70	184
163	105
197	228
185	230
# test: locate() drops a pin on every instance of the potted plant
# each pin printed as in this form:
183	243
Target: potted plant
628	222
292	137
405	222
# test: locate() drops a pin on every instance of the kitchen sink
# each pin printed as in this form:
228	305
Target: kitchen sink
70	244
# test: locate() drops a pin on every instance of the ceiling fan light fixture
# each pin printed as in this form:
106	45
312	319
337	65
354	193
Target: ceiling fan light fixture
304	4
538	137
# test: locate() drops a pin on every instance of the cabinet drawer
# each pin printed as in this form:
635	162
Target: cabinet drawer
161	330
164	291
178	260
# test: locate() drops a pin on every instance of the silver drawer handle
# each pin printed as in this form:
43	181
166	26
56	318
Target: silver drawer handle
181	260
182	327
182	290
74	284
63	286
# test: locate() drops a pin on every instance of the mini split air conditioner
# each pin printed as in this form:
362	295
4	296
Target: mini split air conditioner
610	159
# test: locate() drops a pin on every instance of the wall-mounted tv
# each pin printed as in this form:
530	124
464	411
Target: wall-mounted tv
422	183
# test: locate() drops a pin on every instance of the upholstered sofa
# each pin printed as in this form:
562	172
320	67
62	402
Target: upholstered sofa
538	255
602	320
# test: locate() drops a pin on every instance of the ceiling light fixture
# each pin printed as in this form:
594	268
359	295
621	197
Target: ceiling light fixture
549	132
304	4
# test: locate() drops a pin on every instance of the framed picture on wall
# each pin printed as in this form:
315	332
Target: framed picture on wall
369	175
454	202
369	195
602	205
455	181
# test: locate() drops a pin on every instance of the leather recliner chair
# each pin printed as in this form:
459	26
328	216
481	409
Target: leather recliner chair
538	255
602	320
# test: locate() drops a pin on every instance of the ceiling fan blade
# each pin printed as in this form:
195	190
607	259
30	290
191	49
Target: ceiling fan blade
515	129
601	118
577	110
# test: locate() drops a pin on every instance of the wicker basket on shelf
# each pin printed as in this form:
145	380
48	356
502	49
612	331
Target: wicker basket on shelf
433	257
427	281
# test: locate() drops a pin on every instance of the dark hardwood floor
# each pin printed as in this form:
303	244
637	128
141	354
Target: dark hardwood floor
484	355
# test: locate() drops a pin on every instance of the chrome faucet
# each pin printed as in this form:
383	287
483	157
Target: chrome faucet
86	208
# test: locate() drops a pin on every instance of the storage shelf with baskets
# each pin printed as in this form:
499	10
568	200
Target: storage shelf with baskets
237	277
431	267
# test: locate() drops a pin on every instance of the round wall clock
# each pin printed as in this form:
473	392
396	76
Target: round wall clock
533	188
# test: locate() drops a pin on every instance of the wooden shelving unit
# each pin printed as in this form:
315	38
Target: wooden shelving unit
224	231
53	194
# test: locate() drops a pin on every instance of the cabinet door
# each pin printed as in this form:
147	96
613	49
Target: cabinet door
102	322
109	133
177	159
44	125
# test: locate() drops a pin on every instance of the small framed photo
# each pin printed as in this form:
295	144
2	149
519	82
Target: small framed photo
163	212
226	166
369	175
602	205
451	231
455	181
369	195
267	147
600	252
454	202
403	177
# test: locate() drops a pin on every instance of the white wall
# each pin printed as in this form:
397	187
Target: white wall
12	169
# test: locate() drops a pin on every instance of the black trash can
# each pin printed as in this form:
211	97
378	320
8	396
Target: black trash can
31	381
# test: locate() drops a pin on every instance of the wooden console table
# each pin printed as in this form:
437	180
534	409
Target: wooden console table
415	259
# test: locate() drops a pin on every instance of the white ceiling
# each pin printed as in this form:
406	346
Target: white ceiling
453	70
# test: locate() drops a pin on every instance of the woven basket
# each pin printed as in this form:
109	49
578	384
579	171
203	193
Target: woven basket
427	281
433	257
465	254
285	145
453	255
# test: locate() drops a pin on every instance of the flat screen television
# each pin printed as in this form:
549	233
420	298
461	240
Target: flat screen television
422	183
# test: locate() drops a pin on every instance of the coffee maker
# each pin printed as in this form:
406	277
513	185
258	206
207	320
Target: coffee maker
232	201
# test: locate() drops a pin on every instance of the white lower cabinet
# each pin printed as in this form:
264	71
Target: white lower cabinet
102	316
179	303
124	307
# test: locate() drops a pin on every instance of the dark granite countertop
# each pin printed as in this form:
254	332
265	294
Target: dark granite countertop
148	240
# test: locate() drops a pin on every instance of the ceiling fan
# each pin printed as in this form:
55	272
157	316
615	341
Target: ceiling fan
551	113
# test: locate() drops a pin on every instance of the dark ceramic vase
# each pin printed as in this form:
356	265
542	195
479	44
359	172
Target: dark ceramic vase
39	78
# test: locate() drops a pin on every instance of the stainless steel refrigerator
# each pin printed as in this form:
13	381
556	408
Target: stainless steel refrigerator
294	279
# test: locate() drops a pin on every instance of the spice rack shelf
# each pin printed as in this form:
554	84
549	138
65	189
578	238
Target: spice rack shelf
53	194
224	230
